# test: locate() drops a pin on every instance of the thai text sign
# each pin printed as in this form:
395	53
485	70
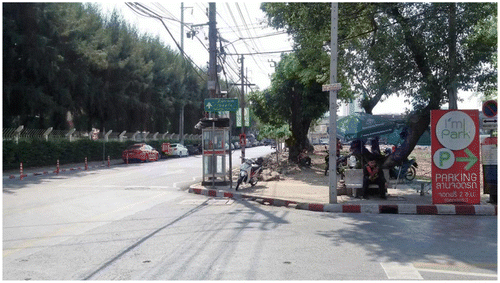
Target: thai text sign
247	117
221	104
455	157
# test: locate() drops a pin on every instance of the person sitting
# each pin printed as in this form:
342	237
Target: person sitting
372	174
304	159
375	146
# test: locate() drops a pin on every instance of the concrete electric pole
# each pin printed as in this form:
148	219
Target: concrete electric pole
333	107
181	118
242	105
212	38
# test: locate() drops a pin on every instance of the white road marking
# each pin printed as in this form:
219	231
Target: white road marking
400	270
458	272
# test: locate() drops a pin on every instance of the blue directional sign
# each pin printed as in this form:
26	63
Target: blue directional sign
221	104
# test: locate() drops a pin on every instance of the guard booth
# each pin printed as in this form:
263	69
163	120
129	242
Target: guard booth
216	147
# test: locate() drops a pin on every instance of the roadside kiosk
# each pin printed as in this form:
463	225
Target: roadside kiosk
216	147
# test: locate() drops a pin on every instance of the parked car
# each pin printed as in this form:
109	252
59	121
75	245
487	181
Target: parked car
179	150
140	152
194	149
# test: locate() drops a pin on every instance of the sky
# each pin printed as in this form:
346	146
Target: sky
243	28
240	24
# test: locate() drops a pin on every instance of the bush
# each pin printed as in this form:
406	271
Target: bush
36	153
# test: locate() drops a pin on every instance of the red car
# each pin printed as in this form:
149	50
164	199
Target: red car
140	152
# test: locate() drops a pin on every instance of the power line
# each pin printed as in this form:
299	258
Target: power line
244	33
262	53
146	12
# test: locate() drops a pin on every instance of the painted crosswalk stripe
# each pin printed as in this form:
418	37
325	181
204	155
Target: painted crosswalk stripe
400	270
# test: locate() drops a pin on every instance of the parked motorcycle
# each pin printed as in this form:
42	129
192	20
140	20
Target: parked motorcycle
407	170
249	172
341	163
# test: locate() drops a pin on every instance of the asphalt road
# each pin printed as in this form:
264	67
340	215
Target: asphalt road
136	222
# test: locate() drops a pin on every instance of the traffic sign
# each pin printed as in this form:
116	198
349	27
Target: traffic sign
489	124
221	104
490	112
455	157
490	108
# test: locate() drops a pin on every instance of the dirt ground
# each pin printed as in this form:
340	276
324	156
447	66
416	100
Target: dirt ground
315	174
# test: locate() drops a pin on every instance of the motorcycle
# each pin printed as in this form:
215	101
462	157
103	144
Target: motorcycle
341	163
249	172
407	170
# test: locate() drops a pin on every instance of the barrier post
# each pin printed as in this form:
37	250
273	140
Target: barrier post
86	164
21	171
57	168
108	160
127	158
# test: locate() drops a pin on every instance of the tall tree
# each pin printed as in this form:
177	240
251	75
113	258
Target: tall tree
295	97
406	49
65	60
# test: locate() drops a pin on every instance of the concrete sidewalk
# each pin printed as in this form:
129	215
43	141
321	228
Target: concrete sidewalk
401	199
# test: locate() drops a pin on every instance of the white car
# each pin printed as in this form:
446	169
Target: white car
179	150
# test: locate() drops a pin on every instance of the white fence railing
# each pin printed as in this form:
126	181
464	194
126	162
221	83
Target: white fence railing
49	134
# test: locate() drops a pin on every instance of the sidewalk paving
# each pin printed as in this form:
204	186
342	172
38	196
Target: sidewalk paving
401	199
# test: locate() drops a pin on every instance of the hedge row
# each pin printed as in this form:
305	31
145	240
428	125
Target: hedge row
36	153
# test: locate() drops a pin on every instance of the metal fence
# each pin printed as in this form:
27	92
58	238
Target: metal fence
72	135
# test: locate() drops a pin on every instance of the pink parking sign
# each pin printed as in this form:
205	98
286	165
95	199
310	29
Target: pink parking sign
455	157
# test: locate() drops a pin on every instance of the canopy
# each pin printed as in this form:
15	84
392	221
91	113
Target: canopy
363	126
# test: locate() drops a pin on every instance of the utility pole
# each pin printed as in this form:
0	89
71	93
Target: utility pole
333	108
212	37
242	105
181	118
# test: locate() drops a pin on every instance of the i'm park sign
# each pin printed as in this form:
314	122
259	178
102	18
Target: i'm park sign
455	157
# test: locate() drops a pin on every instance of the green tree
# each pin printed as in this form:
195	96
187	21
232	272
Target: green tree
30	59
425	51
67	60
296	98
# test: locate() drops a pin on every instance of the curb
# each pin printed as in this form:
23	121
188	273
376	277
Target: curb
420	209
55	171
